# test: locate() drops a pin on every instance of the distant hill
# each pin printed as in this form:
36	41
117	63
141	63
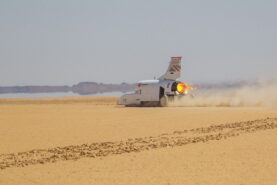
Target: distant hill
87	88
82	88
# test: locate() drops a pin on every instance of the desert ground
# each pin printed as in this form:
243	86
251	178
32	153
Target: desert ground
91	140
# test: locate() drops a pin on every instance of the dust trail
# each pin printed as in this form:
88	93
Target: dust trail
166	140
262	94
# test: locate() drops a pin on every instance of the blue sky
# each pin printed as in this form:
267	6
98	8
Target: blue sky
65	42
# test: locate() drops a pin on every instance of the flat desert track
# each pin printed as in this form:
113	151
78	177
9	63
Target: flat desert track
94	141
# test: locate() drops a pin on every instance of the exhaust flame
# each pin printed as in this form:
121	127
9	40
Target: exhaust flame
183	88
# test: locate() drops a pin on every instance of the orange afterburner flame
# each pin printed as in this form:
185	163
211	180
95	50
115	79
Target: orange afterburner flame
183	88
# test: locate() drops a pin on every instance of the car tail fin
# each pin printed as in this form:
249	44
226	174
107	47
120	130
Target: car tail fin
174	69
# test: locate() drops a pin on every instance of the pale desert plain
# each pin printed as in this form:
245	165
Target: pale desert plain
91	140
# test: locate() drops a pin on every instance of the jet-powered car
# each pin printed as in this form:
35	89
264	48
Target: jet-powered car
158	92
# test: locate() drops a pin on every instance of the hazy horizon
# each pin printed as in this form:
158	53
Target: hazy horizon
67	42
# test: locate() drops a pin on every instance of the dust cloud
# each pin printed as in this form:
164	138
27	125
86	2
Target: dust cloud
261	94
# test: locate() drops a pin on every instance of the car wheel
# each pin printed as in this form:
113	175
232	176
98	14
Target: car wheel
164	101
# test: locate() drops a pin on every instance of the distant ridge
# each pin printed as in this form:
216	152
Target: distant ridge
82	88
87	88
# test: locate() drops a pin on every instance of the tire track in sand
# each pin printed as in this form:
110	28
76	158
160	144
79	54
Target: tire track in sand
177	138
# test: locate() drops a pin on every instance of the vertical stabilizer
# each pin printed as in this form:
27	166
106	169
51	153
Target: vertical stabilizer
174	69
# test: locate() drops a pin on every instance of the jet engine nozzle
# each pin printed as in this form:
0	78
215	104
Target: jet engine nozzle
182	88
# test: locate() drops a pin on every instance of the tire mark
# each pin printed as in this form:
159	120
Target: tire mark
102	149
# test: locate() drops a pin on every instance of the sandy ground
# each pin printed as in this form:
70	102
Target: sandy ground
93	141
